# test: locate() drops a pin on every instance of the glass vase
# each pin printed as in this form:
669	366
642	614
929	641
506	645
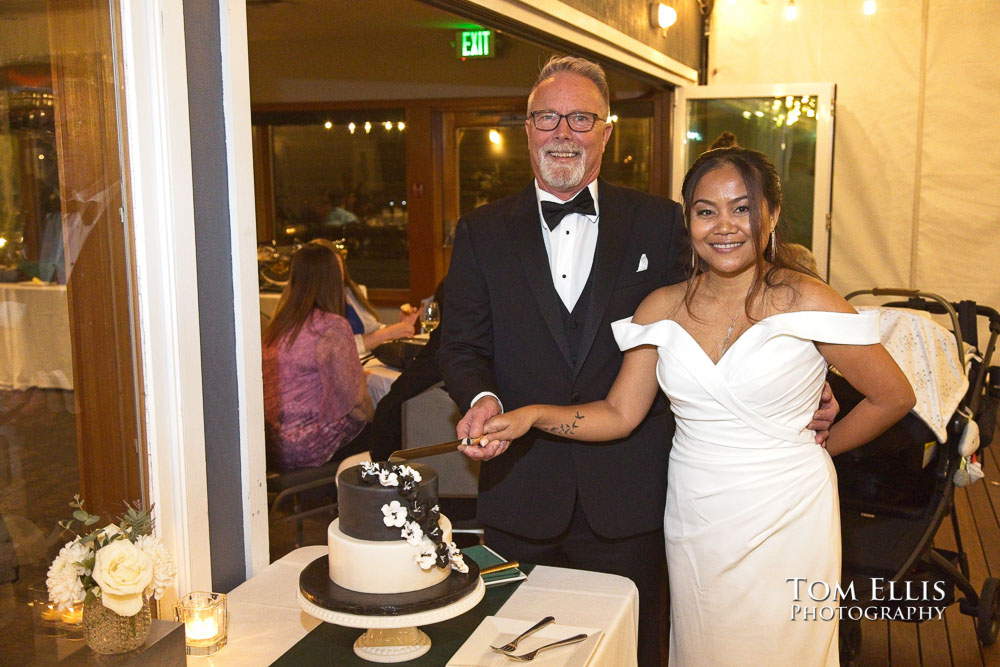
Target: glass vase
107	632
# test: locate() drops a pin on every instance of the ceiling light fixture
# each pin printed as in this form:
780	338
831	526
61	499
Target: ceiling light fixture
791	11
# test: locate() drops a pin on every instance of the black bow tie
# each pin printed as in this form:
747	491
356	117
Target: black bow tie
554	212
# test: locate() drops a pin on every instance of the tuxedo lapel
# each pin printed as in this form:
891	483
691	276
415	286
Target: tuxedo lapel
524	228
615	227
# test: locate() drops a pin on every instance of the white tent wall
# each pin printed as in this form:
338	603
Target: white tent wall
916	192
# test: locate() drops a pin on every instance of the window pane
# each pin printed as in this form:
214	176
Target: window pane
492	163
784	129
67	393
628	153
335	182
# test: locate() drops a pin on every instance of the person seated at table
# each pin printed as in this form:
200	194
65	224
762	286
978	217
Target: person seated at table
339	215
316	402
369	331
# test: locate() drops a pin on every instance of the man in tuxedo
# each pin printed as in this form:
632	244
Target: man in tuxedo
536	279
531	293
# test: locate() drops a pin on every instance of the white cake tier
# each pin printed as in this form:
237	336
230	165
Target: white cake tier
381	567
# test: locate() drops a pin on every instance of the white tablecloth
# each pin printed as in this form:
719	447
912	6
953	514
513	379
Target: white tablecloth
379	377
35	348
265	619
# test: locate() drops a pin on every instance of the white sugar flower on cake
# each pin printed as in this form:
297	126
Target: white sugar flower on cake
411	472
457	561
412	533
388	478
426	559
394	514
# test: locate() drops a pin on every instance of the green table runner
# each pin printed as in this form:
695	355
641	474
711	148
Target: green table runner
331	644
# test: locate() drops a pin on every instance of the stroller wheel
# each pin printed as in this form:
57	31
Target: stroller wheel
988	615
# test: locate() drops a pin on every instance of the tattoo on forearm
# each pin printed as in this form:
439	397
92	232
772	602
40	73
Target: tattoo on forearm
568	429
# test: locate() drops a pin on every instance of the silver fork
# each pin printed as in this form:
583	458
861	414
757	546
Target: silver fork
512	644
530	655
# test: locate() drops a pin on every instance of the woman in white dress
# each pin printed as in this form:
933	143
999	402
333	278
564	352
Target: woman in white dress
741	349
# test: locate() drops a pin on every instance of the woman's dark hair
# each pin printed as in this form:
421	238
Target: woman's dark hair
725	140
348	281
764	195
314	282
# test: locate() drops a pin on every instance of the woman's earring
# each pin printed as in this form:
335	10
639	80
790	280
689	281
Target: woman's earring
773	245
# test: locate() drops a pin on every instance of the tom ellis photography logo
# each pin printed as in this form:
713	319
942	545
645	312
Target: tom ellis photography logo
816	600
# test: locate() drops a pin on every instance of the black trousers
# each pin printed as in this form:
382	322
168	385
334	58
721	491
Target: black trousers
640	558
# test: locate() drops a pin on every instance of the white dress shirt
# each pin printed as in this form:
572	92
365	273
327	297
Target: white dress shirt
570	247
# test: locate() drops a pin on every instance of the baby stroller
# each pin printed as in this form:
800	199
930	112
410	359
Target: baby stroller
896	490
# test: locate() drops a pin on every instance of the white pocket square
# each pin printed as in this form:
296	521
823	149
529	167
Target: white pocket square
643	263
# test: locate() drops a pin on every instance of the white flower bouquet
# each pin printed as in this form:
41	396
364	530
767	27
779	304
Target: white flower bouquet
117	564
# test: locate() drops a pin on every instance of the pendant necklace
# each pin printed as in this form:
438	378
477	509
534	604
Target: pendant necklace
729	333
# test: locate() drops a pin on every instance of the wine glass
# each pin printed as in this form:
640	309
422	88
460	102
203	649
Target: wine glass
430	316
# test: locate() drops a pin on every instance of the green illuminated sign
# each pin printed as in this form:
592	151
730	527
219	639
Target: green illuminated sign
474	44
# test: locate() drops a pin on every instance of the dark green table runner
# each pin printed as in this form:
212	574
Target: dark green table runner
331	644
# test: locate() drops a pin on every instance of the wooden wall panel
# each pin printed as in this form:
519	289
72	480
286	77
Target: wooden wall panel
96	260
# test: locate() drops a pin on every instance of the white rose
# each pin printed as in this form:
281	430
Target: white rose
123	571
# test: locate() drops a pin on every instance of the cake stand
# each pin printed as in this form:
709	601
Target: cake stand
390	620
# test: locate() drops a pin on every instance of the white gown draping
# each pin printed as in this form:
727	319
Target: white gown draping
751	498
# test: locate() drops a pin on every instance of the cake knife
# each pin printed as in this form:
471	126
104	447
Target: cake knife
431	450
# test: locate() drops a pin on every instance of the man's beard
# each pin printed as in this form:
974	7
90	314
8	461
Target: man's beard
558	175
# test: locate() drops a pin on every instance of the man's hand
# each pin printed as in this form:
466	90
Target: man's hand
471	426
825	414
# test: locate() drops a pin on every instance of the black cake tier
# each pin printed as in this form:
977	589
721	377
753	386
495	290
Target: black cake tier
359	504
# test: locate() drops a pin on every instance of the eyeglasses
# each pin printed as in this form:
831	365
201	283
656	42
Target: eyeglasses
578	121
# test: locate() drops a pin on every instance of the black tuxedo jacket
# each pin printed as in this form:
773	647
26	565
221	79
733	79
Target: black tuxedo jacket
504	333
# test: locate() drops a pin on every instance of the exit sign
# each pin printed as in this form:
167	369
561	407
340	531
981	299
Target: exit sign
475	44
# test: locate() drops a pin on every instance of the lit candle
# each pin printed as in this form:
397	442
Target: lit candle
73	615
201	628
50	613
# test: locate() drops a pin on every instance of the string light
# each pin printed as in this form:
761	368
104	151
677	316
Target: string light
388	124
869	7
328	125
791	11
368	127
400	126
350	127
495	137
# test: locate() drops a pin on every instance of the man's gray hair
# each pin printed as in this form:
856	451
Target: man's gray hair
579	66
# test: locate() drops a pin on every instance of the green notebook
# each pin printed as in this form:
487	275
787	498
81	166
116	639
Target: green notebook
486	557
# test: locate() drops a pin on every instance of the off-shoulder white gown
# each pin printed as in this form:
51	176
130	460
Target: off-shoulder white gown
751	498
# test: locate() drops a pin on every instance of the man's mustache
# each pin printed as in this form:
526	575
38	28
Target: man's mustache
561	146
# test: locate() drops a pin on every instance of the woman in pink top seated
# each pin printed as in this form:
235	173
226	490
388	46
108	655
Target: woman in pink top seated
316	402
